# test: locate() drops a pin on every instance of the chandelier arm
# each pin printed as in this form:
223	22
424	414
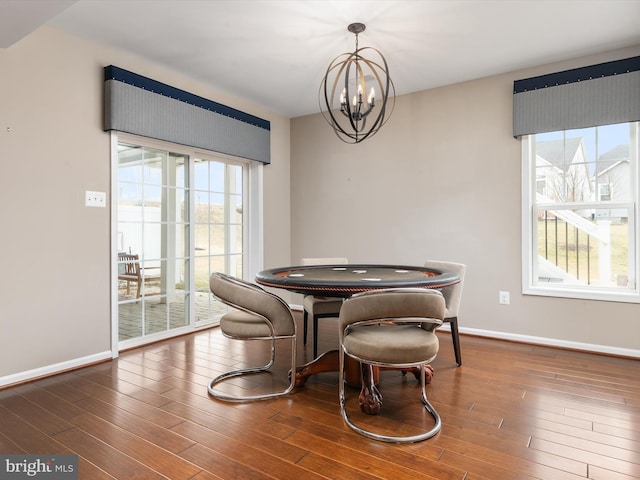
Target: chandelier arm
349	113
333	121
363	86
342	66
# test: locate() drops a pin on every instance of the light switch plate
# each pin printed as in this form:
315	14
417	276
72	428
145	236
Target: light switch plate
95	199
504	298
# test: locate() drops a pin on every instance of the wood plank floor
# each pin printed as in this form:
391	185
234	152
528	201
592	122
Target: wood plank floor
512	411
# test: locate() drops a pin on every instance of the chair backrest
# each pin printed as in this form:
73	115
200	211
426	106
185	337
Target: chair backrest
453	293
253	299
393	303
131	263
324	261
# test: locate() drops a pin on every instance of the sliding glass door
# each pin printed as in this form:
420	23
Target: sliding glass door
179	217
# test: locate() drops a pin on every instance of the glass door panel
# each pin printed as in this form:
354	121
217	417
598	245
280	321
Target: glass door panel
218	203
152	213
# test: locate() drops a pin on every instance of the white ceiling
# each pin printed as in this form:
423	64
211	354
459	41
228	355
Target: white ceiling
275	53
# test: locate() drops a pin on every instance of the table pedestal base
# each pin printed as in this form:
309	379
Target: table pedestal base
355	375
330	362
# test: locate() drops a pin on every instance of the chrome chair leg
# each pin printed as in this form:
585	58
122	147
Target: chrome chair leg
391	438
249	371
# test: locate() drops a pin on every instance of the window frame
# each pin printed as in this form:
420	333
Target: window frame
530	208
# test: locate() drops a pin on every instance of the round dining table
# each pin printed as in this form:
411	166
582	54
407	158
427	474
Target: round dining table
342	281
345	280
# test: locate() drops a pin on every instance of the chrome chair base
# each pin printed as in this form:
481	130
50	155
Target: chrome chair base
394	438
216	393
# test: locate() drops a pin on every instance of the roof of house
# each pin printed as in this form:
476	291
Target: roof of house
559	152
609	159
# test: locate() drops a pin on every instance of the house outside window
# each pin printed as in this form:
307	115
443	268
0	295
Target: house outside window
580	218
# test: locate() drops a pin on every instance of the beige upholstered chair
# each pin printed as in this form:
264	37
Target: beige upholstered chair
320	307
452	296
258	315
391	328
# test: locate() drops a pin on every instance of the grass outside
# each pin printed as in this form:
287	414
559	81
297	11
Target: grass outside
573	252
210	228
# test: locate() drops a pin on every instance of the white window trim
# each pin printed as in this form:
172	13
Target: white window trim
528	236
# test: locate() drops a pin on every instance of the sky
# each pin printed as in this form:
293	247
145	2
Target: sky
597	140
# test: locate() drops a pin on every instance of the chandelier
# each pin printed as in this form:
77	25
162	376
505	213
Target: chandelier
354	92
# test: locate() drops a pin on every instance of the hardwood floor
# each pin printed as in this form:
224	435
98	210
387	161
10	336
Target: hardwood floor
512	411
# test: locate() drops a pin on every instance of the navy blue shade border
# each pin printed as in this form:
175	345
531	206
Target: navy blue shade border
115	73
575	75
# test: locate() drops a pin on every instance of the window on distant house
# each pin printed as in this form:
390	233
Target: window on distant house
580	212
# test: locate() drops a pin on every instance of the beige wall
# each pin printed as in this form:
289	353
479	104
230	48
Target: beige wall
55	304
442	180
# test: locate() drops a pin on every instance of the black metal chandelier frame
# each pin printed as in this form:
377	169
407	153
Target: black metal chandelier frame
352	117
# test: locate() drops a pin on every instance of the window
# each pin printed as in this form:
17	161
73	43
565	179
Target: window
605	192
580	217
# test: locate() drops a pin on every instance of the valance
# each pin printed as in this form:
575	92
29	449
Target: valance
601	94
142	106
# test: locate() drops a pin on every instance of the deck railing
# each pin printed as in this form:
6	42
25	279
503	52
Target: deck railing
568	242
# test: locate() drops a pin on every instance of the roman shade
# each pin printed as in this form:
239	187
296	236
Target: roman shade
142	106
601	94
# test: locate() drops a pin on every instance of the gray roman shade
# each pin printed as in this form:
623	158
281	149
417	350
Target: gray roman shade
601	94
142	106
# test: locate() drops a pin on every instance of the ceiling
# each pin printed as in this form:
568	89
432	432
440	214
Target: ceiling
275	52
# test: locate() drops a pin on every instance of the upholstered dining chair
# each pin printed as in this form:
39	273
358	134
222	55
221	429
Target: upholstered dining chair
452	296
391	328
257	315
319	307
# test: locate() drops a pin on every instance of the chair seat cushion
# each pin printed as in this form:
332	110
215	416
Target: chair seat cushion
392	344
321	305
240	324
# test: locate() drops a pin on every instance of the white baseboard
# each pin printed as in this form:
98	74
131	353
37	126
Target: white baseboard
55	368
554	342
548	342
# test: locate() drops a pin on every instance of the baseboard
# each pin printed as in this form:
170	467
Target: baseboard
514	337
54	369
544	341
554	342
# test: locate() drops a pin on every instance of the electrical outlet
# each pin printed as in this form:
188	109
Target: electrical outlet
503	298
95	199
